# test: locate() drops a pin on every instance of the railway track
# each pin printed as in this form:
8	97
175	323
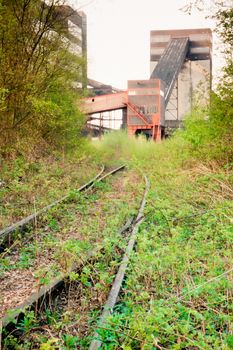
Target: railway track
6	234
57	285
39	297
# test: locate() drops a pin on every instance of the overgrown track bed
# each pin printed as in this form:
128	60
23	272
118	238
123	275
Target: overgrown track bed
117	285
7	234
26	187
92	224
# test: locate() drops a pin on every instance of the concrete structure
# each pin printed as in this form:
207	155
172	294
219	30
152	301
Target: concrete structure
77	29
194	78
74	28
71	23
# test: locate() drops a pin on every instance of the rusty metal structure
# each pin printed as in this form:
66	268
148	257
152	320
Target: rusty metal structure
180	63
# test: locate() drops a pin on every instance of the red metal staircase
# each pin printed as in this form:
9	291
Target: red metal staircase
146	120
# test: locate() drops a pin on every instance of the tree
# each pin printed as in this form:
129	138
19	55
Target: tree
216	132
222	103
36	75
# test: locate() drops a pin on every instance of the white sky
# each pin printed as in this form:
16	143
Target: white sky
118	35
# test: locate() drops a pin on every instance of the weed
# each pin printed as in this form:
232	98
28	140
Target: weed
70	341
44	275
28	322
53	225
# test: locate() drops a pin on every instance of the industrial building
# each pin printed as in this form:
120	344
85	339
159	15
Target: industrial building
74	29
76	24
181	66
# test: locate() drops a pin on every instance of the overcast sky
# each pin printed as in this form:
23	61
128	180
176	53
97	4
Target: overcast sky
118	34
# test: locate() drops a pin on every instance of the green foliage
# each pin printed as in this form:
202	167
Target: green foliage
53	224
208	132
224	18
51	344
70	341
229	341
38	101
26	257
28	322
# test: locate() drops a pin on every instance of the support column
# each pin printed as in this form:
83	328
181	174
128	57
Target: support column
124	118
156	133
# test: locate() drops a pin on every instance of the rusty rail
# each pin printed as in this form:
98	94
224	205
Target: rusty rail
116	287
